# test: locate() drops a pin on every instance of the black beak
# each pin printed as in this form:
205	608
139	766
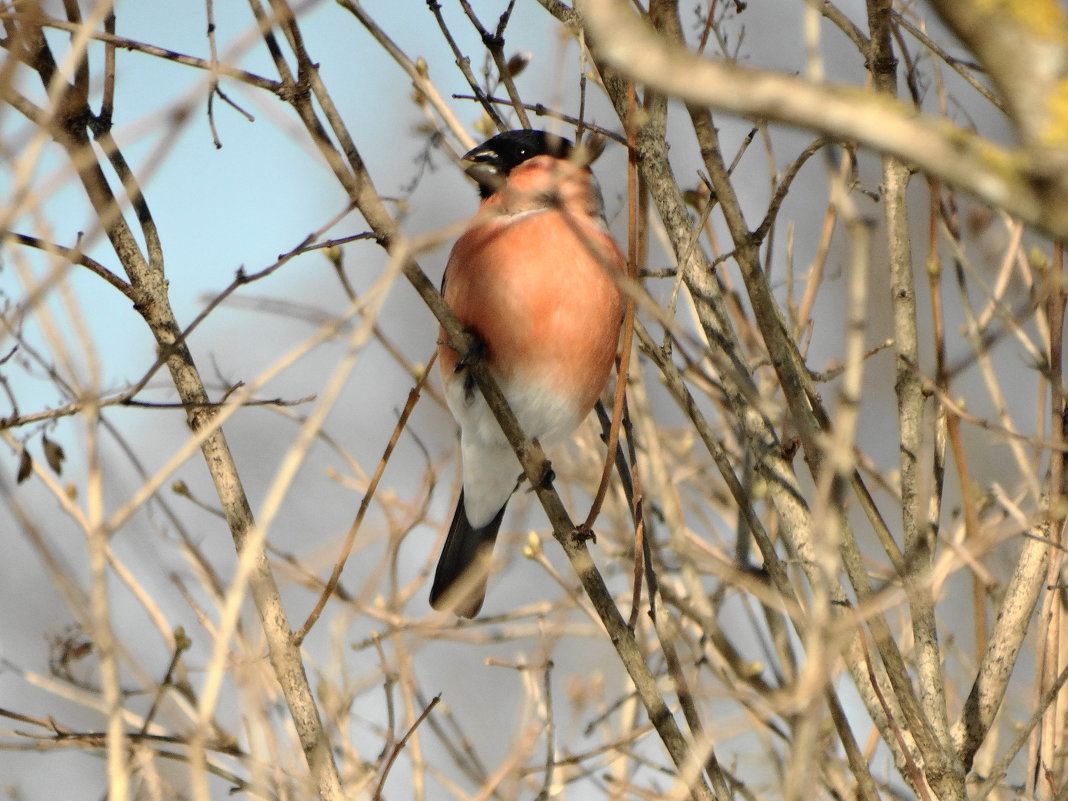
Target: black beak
490	162
485	167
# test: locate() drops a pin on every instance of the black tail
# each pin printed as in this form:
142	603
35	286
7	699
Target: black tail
456	585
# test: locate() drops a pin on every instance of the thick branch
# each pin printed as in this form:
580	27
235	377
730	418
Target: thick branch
999	659
1023	48
1027	184
946	778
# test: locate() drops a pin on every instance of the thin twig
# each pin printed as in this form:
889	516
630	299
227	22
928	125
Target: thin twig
494	44
74	256
122	43
463	62
541	110
365	503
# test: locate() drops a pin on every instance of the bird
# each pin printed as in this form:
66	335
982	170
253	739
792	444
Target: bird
535	280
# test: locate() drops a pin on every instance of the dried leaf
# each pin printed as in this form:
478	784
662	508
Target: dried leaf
53	454
25	466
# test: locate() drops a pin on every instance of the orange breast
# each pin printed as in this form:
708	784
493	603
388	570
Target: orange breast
537	288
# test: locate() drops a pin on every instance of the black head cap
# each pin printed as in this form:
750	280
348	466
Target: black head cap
491	161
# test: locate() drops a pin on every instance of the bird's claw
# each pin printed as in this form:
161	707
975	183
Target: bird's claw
474	354
545	481
584	533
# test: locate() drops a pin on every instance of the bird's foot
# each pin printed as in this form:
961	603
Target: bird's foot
474	354
545	481
583	533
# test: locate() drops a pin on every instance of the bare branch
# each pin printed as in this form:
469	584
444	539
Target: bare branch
1020	182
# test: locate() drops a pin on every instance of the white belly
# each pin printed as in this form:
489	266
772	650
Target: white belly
490	467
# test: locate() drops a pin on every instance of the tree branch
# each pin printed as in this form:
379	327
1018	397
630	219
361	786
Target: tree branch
1032	185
